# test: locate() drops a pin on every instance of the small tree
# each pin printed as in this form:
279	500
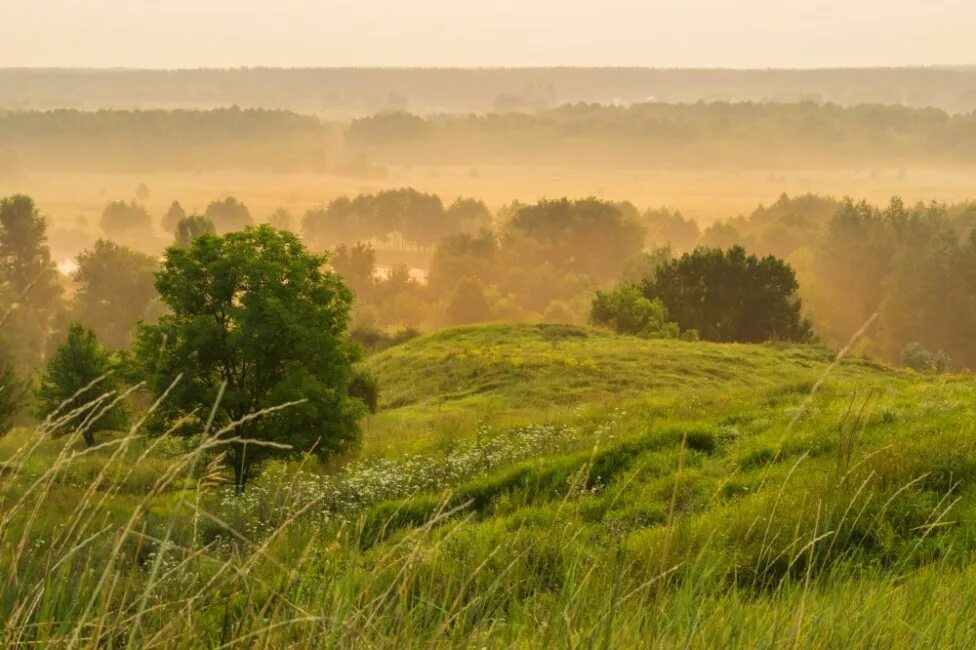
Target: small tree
626	311
189	228
80	374
731	296
255	312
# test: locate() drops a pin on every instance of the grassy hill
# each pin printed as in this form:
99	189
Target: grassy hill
530	486
451	381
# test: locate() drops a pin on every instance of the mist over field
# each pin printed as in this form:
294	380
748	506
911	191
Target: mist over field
536	324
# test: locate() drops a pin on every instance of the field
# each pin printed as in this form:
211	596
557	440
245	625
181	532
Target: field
526	486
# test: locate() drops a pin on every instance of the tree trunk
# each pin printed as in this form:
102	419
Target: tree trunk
241	465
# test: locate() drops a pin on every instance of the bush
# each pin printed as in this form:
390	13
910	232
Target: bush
626	311
916	357
365	387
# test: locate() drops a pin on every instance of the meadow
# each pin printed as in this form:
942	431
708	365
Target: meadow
525	486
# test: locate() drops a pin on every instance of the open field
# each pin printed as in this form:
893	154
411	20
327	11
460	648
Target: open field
527	486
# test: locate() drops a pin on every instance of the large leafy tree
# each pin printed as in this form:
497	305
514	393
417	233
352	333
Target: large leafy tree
115	291
79	377
30	278
255	312
730	296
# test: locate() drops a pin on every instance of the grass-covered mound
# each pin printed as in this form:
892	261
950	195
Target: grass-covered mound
646	493
446	384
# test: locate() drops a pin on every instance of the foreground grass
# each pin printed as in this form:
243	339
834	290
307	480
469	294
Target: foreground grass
670	494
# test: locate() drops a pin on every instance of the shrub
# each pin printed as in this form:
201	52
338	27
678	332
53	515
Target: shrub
916	357
626	311
365	387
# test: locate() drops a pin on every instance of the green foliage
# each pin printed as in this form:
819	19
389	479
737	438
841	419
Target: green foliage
255	313
918	358
115	291
376	340
731	296
625	310
79	390
29	277
13	392
366	388
228	215
189	228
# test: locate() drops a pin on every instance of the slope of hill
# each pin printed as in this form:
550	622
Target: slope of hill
530	486
509	374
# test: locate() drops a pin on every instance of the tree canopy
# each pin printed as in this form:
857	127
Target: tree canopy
115	291
255	312
730	296
79	388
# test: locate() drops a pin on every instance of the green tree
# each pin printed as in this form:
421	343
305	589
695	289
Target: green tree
228	215
29	276
13	391
115	291
79	376
626	311
255	312
189	228
731	296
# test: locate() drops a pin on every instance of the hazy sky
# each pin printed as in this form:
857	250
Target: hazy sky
661	33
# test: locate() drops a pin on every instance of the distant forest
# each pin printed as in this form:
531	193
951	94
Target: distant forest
650	135
354	92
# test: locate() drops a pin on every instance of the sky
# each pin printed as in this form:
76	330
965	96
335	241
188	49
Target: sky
486	33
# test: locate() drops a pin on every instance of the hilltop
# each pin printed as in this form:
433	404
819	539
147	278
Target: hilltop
513	373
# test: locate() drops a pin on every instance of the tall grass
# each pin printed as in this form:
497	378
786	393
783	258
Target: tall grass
726	522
